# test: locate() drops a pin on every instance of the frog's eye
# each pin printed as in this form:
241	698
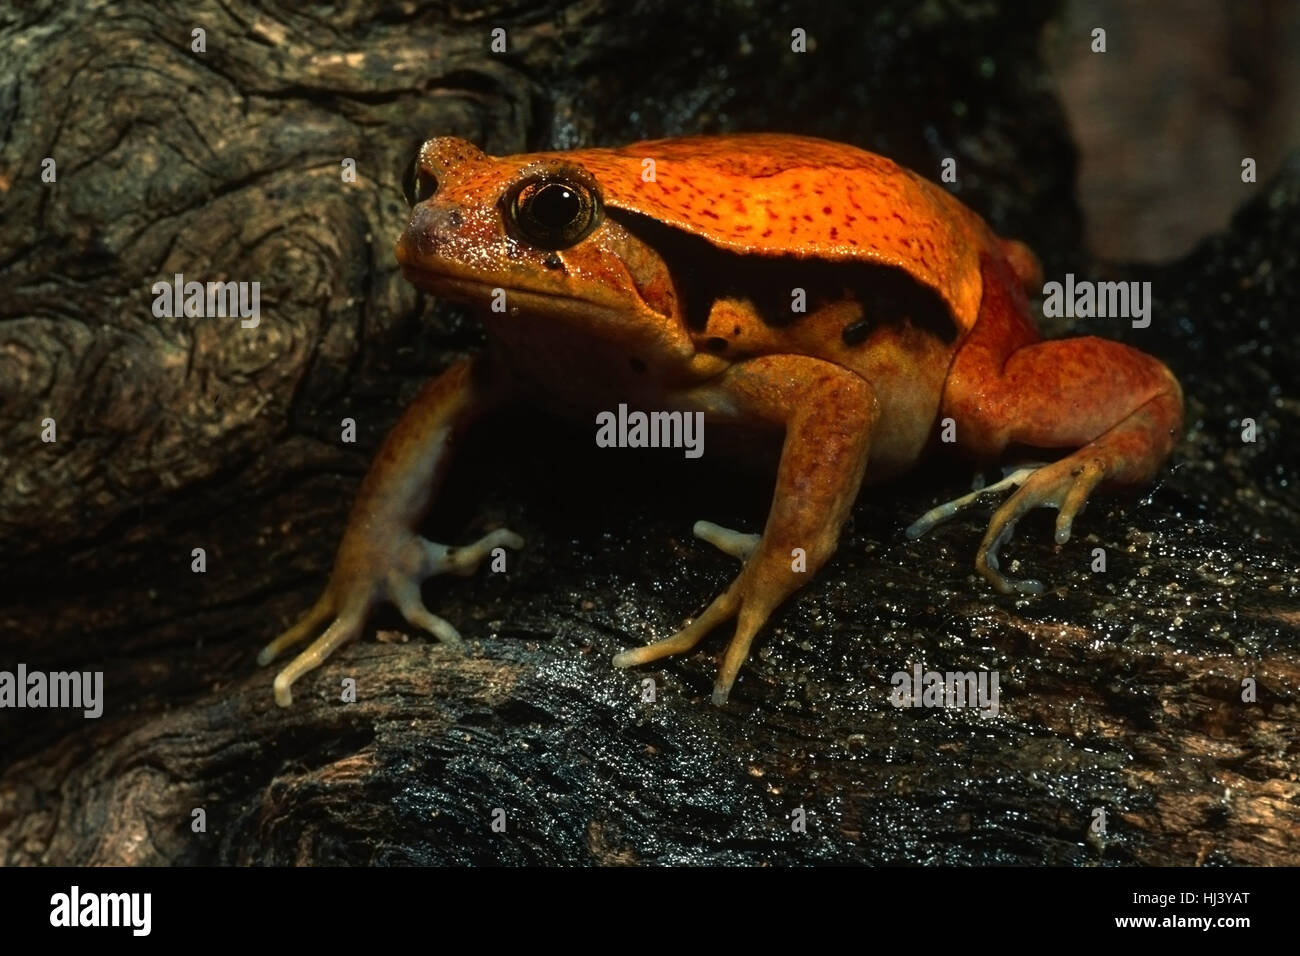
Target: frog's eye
553	213
420	184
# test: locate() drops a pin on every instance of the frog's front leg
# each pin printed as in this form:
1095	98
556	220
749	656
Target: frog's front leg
381	557
828	414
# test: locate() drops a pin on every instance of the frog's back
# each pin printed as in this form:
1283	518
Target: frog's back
779	195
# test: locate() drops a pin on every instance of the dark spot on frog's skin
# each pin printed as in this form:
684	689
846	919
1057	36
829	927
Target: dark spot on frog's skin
716	344
855	333
638	366
835	233
552	261
826	210
736	330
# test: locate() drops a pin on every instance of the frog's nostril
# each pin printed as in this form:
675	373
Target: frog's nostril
420	224
432	225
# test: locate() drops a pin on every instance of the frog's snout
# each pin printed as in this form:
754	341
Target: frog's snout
431	227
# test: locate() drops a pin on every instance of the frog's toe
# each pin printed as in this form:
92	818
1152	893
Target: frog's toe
464	560
406	595
301	630
345	627
949	509
403	584
722	609
1084	483
735	543
753	614
987	563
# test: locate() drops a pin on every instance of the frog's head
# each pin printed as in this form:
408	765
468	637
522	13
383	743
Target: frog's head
528	236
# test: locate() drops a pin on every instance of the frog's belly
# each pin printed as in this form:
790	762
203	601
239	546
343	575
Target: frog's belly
907	374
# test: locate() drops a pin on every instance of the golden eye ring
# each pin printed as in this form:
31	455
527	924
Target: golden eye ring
552	211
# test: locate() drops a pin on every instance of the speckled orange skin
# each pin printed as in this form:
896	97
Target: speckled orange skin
855	391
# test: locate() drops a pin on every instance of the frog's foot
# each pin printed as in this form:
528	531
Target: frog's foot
764	582
362	577
722	609
738	544
727	605
937	515
1064	485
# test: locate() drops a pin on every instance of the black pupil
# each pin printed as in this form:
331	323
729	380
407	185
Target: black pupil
555	206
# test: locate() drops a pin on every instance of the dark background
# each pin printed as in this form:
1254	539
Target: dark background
1120	691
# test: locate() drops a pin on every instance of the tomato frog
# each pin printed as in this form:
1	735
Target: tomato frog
779	283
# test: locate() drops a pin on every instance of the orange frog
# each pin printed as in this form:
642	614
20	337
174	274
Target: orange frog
768	281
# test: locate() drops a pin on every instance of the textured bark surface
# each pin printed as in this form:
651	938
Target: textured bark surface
1120	691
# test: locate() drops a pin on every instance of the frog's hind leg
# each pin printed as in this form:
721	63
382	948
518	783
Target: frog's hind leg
1118	408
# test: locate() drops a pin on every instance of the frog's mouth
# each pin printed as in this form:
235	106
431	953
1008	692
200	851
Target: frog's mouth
482	292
